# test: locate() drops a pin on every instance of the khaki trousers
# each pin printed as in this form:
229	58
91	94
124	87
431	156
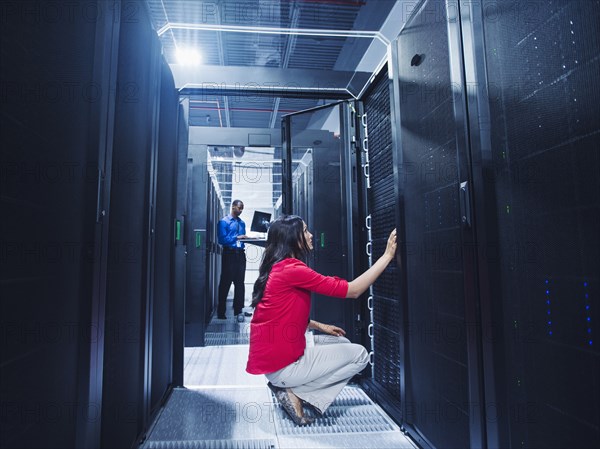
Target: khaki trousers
319	375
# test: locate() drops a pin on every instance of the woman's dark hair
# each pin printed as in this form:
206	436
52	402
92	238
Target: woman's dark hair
284	240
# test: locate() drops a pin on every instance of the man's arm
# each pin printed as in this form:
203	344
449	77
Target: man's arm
222	233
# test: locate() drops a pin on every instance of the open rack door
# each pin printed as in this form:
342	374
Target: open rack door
319	161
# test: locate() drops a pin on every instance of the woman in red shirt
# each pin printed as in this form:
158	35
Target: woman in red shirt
281	298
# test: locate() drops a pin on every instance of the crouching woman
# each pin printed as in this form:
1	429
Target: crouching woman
299	374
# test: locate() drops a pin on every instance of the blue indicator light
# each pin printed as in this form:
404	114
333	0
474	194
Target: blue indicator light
584	284
589	331
590	342
550	333
588	318
546	281
549	314
587	296
587	307
547	292
548	302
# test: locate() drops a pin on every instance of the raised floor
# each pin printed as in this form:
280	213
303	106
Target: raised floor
222	406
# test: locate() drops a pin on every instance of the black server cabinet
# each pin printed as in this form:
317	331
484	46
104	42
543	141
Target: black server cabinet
383	208
496	142
137	345
538	204
83	355
165	297
215	212
442	376
180	256
197	306
56	125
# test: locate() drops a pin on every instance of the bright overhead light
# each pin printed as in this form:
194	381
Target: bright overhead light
187	56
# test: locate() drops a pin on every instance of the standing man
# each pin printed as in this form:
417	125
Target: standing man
233	263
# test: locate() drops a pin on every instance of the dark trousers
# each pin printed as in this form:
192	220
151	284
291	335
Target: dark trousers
233	269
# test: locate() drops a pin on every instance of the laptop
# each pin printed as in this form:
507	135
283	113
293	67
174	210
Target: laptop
260	222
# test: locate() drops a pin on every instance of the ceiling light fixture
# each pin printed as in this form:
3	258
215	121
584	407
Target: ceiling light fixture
188	56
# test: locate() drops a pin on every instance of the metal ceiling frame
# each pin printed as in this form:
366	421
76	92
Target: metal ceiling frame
338	85
273	82
275	30
191	88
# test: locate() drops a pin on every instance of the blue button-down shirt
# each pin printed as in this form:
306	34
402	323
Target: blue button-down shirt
228	230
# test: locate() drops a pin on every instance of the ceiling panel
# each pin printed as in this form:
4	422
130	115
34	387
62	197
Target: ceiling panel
261	49
249	42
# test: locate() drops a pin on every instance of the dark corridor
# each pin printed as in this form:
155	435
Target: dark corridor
471	127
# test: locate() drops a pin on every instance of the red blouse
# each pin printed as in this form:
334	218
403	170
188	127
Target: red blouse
280	319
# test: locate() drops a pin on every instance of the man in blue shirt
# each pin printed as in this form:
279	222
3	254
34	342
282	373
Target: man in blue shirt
233	262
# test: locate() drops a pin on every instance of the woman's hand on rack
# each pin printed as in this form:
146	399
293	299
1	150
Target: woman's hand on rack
392	244
359	285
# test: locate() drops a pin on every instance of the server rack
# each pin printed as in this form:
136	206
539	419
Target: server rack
441	359
489	312
534	143
180	243
42	290
215	212
382	213
86	199
500	265
198	306
163	350
138	358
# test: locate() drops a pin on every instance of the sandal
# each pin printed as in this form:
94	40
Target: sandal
316	411
282	395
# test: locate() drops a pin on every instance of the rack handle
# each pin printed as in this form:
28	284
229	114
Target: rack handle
465	204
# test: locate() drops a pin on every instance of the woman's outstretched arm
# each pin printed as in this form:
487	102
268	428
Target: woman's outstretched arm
359	285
